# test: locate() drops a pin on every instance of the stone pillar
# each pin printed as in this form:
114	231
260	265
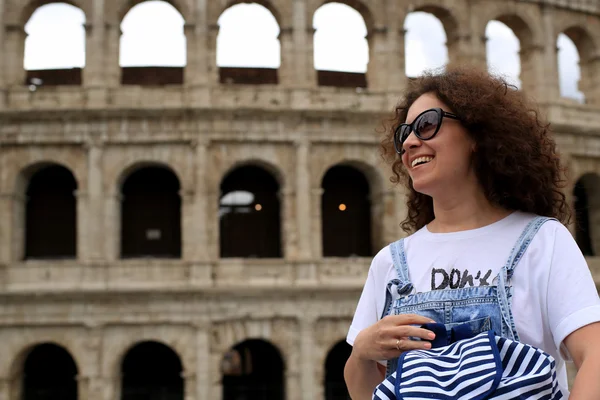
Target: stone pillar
317	222
379	71
532	72
307	360
289	240
477	46
82	242
112	226
460	50
303	201
94	71
212	70
383	220
112	44
195	73
302	49
590	80
6	228
16	208
94	227
14	53
550	79
287	71
203	359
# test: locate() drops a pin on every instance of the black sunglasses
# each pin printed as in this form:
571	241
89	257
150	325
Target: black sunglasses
425	126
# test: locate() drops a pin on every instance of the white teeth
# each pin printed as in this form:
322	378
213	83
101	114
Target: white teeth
421	160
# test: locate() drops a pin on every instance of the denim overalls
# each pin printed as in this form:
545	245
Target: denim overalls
483	307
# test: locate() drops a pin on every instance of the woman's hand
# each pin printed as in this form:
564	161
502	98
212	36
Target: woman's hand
389	337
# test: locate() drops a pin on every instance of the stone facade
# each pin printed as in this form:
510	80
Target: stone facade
98	305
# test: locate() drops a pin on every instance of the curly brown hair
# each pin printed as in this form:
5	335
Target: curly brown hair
516	160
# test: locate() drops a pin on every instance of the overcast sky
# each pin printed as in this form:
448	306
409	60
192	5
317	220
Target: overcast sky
153	35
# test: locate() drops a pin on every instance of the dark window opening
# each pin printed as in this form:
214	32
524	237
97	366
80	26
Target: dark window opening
54	77
335	384
51	214
151	371
582	220
49	374
152	76
346	213
342	79
253	370
249	214
248	76
151	214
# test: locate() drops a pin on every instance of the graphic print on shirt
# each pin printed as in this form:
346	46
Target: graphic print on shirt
457	279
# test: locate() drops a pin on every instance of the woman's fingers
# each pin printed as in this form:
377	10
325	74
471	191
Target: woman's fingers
406	344
409	319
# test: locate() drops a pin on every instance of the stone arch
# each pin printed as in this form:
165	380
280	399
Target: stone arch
134	166
139	374
25	11
18	187
587	48
18	345
151	213
268	165
126	5
346	213
447	16
256	367
366	11
372	173
272	6
334	382
250	196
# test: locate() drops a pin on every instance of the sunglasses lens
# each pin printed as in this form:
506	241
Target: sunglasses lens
427	124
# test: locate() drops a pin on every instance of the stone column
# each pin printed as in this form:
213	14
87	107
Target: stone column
317	222
82	242
94	228
112	44
590	80
289	241
307	359
532	71
303	201
379	71
16	208
203	359
6	228
93	73
14	53
212	70
303	46
550	79
477	47
287	71
197	55
460	50
112	226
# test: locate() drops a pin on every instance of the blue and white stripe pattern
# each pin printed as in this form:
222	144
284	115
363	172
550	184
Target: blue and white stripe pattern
483	367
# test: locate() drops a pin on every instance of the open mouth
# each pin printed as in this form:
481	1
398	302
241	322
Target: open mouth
420	161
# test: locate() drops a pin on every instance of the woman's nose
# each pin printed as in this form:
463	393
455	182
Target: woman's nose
411	141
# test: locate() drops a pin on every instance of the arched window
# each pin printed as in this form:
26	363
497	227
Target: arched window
151	214
335	384
586	196
253	369
346	213
153	45
55	45
249	214
49	373
569	67
51	214
425	43
341	49
151	370
248	48
502	49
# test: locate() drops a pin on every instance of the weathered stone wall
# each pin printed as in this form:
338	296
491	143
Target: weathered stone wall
97	305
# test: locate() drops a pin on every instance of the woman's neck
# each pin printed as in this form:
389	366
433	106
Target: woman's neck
464	211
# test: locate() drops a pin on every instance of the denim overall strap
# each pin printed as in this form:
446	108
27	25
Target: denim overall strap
505	275
402	283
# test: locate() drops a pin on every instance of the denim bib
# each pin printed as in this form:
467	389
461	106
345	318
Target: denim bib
483	308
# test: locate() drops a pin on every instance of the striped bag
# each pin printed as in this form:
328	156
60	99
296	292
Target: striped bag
485	366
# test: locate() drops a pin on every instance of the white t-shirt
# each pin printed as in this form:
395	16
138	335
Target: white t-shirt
554	292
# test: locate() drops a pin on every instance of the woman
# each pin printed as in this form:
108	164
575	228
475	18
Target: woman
479	168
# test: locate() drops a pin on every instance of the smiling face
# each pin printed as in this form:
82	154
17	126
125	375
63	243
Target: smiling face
443	163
